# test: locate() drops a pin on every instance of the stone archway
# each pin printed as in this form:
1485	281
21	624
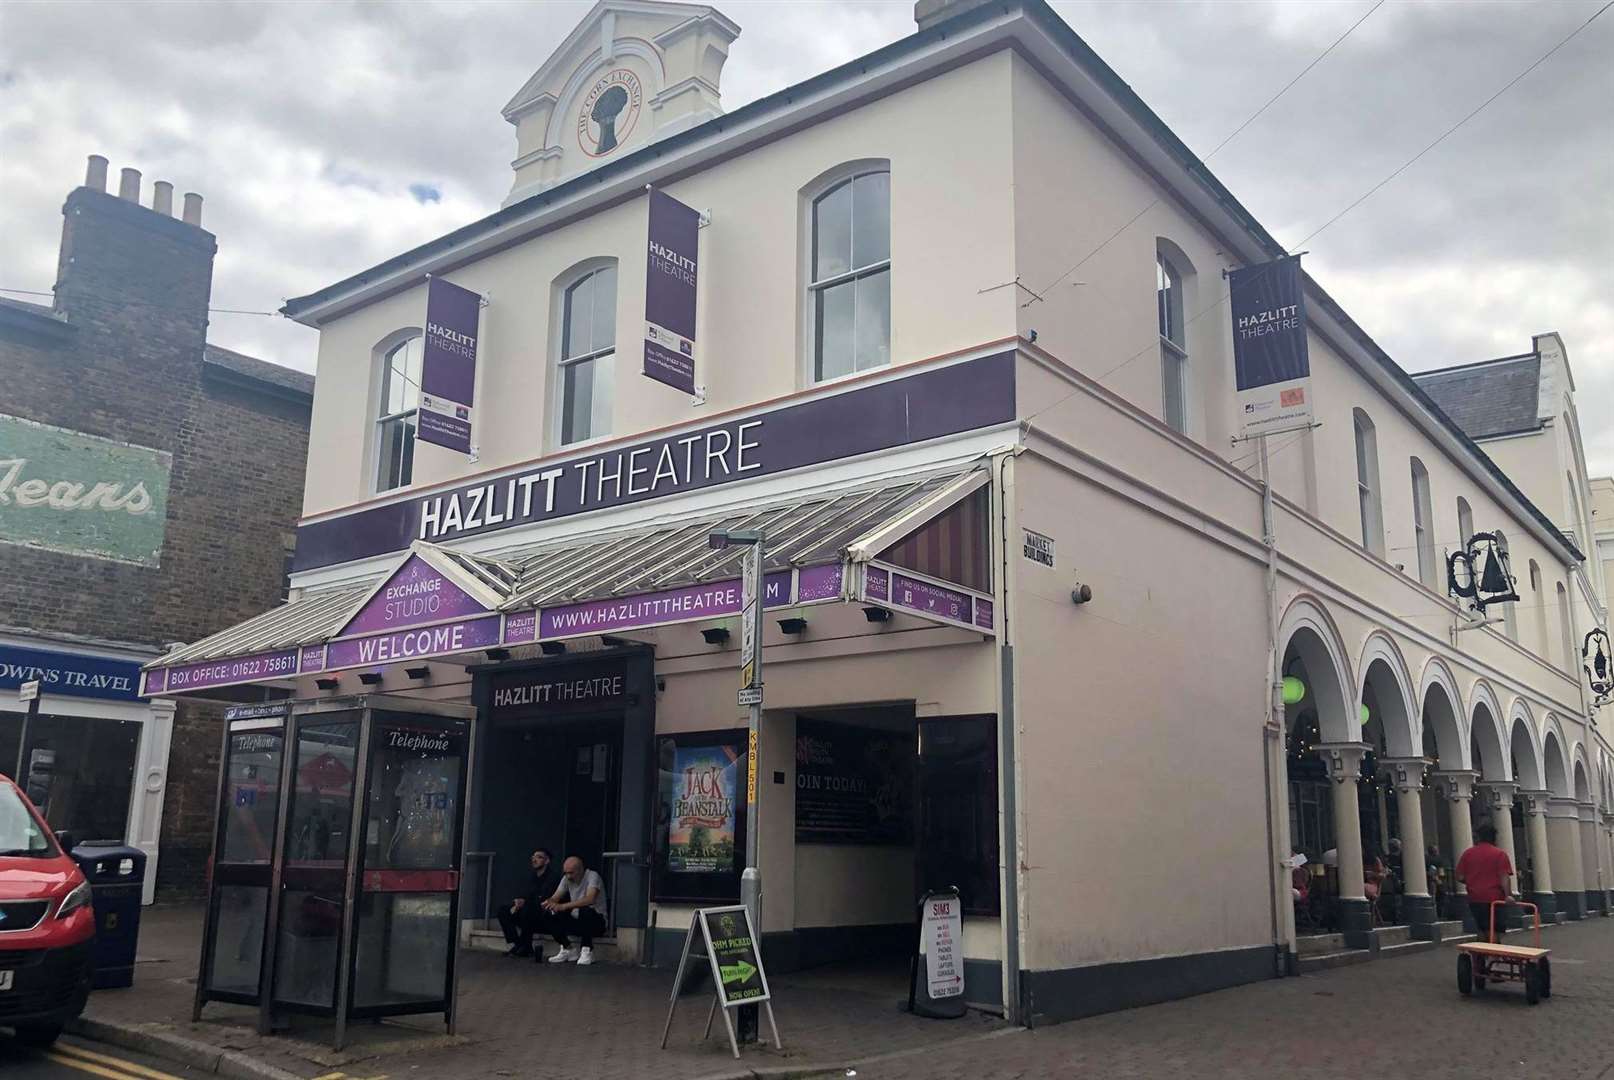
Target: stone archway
1392	817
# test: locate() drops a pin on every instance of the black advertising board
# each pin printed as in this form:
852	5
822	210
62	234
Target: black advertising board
699	836
726	939
854	785
733	950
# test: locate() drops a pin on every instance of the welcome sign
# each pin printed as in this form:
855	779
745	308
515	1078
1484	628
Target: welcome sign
81	494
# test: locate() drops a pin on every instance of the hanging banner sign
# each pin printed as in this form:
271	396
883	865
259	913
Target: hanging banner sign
669	292
1270	362
448	365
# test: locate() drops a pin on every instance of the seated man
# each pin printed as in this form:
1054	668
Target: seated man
578	907
524	915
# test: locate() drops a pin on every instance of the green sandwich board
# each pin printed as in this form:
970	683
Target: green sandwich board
725	938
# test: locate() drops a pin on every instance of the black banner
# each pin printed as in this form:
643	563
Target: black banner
854	785
1269	324
734	954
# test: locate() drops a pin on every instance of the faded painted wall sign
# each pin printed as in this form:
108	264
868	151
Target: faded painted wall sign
66	491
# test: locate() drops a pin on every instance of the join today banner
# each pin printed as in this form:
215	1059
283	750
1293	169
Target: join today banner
1270	361
448	365
669	292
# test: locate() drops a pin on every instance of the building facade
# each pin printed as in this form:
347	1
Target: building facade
149	485
1028	608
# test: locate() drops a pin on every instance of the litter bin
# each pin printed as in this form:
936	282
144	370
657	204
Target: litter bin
116	874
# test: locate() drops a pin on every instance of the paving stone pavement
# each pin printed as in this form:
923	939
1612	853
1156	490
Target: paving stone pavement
1398	1017
524	1020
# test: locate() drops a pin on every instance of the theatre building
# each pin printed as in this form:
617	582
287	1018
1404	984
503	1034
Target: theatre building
149	486
1031	627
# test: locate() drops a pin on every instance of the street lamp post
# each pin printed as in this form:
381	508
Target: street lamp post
750	695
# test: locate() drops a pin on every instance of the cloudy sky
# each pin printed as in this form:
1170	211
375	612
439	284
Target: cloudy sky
327	137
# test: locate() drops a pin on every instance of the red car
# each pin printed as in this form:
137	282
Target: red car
46	924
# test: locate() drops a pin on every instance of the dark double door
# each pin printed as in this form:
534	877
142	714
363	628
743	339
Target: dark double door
552	784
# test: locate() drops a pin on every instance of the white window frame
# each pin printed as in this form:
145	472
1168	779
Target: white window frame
560	296
1173	353
1369	500
379	420
1423	524
827	182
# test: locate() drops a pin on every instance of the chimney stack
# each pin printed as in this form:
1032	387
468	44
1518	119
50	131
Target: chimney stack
129	185
193	209
162	198
95	175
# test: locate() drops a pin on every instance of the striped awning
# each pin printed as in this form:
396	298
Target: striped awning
820	549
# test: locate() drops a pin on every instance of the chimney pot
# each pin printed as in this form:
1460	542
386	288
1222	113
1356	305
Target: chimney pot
129	185
162	198
95	175
193	209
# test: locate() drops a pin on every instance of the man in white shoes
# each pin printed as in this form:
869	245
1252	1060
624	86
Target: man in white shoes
578	907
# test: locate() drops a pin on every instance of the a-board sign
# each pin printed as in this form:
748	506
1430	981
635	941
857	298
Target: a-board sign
727	940
943	928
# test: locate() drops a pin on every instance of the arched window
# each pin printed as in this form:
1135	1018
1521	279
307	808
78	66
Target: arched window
1563	628
1367	483
849	278
587	354
1169	286
396	414
1465	522
1423	515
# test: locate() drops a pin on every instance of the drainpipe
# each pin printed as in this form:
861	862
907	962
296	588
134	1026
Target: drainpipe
1008	739
1272	729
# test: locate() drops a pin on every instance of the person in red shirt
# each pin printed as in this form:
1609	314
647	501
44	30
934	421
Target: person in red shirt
1487	873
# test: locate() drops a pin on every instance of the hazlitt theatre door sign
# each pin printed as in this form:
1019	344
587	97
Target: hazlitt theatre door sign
1270	361
448	365
669	292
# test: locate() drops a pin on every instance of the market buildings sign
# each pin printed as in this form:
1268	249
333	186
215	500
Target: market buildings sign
934	403
80	494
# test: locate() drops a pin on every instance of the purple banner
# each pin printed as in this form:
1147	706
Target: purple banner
930	599
653	609
313	659
448	365
818	583
669	292
876	584
270	665
983	613
520	627
412	644
933	403
416	594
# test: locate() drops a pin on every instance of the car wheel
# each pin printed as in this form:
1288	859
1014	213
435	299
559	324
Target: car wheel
39	1035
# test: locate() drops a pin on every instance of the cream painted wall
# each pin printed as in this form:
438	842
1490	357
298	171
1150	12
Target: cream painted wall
751	265
1073	190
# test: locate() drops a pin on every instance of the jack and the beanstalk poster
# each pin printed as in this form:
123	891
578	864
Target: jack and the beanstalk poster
700	814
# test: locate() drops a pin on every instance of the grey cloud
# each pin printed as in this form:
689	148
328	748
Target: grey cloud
306	126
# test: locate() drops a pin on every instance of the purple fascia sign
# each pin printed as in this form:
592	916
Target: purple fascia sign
414	644
416	593
669	292
934	402
922	596
448	365
239	669
657	609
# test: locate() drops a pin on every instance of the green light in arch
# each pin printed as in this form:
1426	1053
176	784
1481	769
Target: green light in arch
1294	691
1365	714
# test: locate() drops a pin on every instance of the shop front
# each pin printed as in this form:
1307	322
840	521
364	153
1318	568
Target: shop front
97	753
601	665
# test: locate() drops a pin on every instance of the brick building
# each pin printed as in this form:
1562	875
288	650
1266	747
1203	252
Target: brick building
149	486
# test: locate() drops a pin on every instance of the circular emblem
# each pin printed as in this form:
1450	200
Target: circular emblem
608	112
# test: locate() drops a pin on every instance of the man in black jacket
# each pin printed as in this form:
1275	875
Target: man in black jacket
525	915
